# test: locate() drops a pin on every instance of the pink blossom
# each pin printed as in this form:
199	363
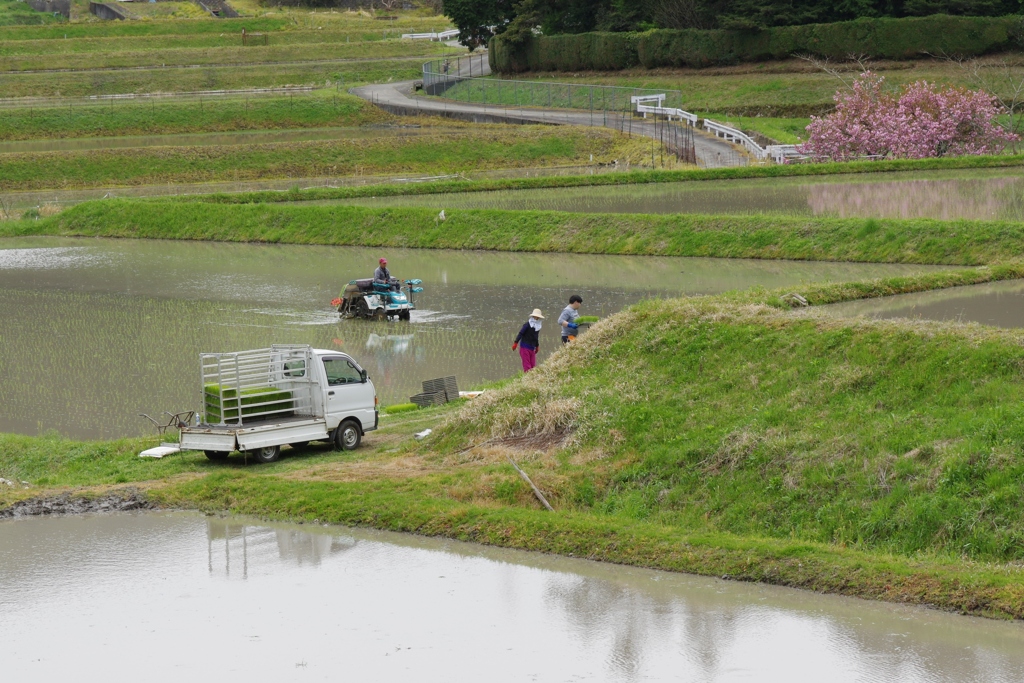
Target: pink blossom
923	120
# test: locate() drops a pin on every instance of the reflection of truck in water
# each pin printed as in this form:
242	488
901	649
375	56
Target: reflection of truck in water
257	401
378	300
391	343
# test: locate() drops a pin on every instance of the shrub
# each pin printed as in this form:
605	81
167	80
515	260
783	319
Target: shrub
922	120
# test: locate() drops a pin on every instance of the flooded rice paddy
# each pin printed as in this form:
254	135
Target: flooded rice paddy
97	331
178	596
1000	304
982	194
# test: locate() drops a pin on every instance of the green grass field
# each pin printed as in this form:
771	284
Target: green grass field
223	39
475	148
131	56
304	47
325	108
17	14
186	79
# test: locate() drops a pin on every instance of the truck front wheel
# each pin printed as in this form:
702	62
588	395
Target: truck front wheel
348	436
267	453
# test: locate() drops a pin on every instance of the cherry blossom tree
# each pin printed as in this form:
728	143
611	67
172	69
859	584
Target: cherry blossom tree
920	120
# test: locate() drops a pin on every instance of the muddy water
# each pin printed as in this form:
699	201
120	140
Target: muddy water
96	332
984	194
1000	304
182	597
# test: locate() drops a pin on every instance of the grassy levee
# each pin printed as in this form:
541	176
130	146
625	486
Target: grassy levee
210	77
278	24
216	39
134	57
768	237
624	178
325	108
14	13
723	435
478	147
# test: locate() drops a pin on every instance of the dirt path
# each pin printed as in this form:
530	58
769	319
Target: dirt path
399	98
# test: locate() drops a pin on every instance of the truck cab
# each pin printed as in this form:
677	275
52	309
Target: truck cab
257	401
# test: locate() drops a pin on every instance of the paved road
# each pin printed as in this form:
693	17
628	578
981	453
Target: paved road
399	98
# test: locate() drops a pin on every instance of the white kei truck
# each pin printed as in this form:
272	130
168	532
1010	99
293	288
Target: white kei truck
257	401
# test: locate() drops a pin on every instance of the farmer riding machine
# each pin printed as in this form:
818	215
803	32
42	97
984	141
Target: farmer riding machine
378	300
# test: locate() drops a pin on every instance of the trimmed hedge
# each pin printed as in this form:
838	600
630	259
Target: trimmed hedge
879	38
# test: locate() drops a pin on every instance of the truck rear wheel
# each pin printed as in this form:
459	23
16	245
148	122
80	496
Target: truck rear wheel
267	454
348	436
216	455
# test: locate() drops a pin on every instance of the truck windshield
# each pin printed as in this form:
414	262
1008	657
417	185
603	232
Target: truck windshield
341	371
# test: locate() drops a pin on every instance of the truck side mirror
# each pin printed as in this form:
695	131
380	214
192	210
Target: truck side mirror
362	375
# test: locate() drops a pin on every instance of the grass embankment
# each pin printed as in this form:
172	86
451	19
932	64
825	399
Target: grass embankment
15	13
212	77
188	55
770	237
624	178
56	46
478	147
716	435
320	109
130	56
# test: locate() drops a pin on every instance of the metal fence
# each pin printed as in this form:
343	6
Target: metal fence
466	79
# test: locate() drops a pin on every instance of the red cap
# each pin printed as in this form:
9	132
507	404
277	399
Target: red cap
383	261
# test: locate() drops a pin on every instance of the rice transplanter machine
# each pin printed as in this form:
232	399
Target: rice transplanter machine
378	300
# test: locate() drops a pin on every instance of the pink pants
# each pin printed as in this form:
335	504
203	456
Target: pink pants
529	357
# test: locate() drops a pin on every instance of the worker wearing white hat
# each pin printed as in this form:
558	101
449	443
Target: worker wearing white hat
528	340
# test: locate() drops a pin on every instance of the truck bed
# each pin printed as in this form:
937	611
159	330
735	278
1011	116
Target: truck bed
254	434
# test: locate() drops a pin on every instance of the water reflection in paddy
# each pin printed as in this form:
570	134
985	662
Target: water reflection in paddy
97	331
179	596
1000	304
969	194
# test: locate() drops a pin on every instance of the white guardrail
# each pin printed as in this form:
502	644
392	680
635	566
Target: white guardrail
644	106
654	104
443	35
778	153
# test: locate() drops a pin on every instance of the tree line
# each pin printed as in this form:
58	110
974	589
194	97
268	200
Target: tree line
478	20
